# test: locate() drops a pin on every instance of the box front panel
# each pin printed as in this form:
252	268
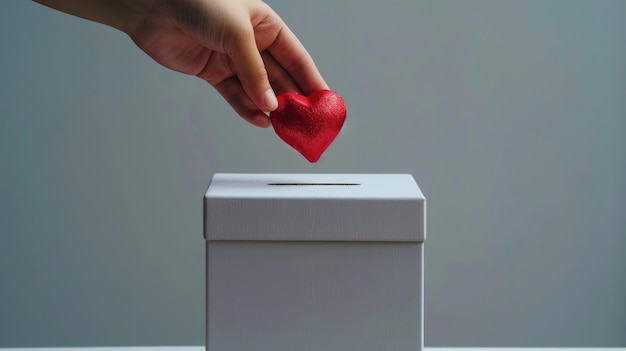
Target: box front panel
285	296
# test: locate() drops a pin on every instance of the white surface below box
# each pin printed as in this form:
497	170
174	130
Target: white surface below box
314	262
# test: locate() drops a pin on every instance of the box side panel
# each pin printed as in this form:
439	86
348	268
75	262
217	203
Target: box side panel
314	219
285	296
206	296
421	284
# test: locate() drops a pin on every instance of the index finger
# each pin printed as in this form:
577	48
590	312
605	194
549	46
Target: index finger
296	61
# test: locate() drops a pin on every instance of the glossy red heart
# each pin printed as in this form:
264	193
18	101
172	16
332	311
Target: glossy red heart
309	124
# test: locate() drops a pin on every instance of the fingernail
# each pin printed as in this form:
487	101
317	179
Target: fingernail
270	99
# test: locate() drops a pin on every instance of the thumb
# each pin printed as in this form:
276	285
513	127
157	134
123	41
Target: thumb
251	71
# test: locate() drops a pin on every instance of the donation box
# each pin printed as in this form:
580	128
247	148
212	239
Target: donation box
319	262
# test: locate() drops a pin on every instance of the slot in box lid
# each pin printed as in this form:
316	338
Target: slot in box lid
314	207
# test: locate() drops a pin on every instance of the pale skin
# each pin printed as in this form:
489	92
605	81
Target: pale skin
240	47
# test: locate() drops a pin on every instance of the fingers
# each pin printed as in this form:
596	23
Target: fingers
231	89
246	78
289	53
284	65
279	79
233	92
251	71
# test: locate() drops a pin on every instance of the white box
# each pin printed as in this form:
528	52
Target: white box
318	262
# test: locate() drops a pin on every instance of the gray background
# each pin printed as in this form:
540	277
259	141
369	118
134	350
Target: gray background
511	115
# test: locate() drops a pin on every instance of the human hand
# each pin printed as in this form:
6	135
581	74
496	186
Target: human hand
241	47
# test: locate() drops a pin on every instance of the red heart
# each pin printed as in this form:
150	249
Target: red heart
309	124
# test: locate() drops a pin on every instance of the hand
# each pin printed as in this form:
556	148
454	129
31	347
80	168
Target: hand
241	47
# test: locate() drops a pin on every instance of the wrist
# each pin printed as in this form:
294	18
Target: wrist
123	15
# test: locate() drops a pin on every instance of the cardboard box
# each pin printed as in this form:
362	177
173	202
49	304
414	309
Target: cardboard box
319	262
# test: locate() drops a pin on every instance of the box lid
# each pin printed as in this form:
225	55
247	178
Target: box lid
314	207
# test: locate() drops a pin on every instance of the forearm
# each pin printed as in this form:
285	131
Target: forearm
120	14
